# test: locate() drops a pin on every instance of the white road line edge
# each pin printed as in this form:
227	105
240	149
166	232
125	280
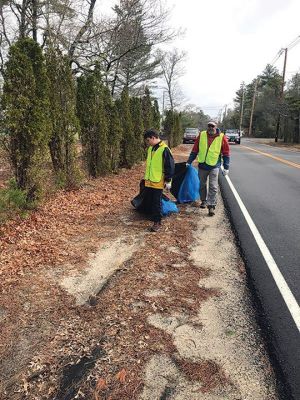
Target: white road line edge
283	287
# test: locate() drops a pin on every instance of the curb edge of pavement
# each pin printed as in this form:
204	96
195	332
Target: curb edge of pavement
261	284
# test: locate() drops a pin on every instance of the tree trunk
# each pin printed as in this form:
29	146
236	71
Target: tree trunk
83	29
56	154
34	19
23	20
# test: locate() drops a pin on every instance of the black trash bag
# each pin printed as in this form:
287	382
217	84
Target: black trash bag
140	202
137	201
180	171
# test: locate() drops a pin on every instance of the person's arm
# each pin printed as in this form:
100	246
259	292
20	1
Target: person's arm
225	151
194	152
169	165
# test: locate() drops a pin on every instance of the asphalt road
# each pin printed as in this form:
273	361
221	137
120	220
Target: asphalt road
268	181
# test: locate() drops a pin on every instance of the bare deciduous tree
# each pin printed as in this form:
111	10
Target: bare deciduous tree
123	44
172	66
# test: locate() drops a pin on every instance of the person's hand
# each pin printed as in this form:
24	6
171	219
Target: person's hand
225	172
168	185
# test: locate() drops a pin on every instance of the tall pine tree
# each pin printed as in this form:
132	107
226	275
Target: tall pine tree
26	114
114	131
169	127
65	124
156	115
147	110
93	122
138	127
128	139
178	132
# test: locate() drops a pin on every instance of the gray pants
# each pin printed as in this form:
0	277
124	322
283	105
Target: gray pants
211	196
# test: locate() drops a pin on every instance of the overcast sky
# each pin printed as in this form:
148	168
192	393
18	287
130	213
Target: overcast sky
232	41
229	42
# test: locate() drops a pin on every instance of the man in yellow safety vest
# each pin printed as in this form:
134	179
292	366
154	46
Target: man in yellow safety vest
158	175
210	148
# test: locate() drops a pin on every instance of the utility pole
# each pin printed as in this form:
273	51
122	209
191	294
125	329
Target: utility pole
163	106
223	116
281	94
242	109
252	107
225	111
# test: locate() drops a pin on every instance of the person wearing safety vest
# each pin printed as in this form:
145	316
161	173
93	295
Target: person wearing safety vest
210	148
160	169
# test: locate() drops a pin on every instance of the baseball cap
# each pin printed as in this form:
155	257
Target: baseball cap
212	123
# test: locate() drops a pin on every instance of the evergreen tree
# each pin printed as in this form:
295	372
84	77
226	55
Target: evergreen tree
114	131
156	115
292	120
194	117
115	138
267	104
128	139
65	125
178	132
147	110
169	127
93	122
138	127
270	77
26	114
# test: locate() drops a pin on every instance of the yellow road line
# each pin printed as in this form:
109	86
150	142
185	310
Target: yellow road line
290	163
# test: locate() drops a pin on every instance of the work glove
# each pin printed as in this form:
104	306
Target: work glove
168	185
225	172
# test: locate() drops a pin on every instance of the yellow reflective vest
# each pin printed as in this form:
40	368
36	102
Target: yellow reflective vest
210	155
154	163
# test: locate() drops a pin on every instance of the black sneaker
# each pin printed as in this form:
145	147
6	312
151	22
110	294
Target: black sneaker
155	227
211	211
203	204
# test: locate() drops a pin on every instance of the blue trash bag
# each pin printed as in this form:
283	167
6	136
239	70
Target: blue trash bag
168	207
189	189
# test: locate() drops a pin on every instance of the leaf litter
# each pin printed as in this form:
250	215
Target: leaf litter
52	348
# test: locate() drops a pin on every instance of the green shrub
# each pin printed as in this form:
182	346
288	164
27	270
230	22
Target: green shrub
25	108
13	201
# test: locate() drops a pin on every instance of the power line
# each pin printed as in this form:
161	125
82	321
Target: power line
291	45
277	56
294	42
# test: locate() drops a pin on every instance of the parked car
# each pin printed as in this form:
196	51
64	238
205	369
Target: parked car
190	135
233	136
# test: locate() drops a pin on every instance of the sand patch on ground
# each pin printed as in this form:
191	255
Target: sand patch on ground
224	331
100	268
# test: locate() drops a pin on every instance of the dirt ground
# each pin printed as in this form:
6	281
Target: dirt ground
94	306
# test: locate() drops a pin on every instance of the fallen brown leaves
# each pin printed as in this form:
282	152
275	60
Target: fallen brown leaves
208	372
45	333
62	232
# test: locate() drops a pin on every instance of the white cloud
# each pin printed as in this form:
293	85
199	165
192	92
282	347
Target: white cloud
230	42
